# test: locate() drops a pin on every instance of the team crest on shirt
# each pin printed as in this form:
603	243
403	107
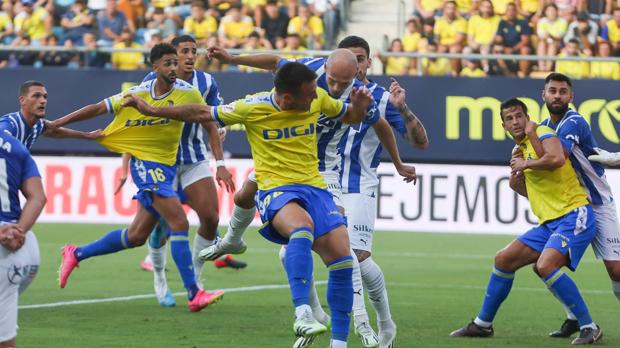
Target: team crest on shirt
228	108
15	274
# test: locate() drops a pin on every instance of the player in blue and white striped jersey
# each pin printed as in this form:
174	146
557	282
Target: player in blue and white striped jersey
29	123
361	155
578	142
193	175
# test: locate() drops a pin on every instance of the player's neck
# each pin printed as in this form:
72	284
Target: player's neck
162	87
184	75
31	119
555	118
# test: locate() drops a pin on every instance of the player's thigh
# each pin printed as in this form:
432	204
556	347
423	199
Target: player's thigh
515	255
202	197
141	226
9	284
332	245
361	210
244	198
291	217
30	260
606	242
171	210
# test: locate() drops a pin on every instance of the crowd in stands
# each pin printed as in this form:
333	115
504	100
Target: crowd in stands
564	28
250	24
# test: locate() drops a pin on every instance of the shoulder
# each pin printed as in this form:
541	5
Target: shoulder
544	131
12	146
573	119
261	98
183	85
150	76
144	86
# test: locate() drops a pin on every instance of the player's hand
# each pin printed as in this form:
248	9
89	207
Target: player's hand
222	133
96	134
133	101
611	159
215	52
518	164
222	175
119	185
408	173
398	95
11	237
516	152
361	98
530	128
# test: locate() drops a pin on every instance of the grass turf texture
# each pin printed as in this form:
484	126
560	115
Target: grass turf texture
436	283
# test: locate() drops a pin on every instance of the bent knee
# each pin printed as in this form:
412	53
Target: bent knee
361	254
613	269
504	260
244	200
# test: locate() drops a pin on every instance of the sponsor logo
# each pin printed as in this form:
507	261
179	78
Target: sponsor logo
285	133
362	228
614	240
147	123
15	274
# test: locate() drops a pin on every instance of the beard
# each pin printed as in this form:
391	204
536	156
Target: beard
557	110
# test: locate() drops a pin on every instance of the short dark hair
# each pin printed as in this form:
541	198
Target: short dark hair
181	39
291	76
25	87
355	41
574	41
198	3
558	77
512	102
160	50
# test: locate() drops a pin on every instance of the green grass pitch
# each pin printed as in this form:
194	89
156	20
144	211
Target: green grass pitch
436	283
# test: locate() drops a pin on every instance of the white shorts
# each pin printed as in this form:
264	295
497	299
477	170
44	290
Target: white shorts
17	270
606	242
188	174
252	177
360	209
332	179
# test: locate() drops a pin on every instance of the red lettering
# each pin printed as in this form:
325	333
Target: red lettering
92	178
54	189
123	208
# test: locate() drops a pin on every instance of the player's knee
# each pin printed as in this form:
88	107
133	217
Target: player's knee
504	261
136	240
545	267
361	254
244	200
178	225
210	220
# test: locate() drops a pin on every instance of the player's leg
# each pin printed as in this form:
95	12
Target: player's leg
242	216
523	251
156	240
158	254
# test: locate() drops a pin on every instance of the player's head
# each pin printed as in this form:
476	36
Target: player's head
186	51
360	48
165	62
558	93
295	86
33	98
340	70
514	117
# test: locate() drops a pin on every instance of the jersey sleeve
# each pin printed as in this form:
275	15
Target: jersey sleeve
150	76
393	117
7	126
372	114
229	114
113	103
545	132
29	166
213	97
573	129
330	107
283	61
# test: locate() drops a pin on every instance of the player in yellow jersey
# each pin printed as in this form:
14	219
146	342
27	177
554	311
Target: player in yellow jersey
566	227
152	142
292	199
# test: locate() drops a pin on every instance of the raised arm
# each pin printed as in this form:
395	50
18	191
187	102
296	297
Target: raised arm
189	113
357	110
82	114
388	140
416	133
222	175
32	189
261	61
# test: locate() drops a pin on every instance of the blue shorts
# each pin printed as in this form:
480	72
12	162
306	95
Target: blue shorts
571	233
152	178
317	202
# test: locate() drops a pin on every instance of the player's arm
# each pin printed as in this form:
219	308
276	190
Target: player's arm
553	157
517	183
357	110
62	132
605	157
222	174
124	171
197	113
32	189
388	140
261	61
82	114
416	133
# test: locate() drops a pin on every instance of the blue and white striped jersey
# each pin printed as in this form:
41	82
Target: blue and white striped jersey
192	147
576	136
330	132
361	149
16	165
15	124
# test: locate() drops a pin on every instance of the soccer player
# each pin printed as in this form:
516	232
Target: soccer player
566	227
361	148
29	123
19	250
579	143
294	204
193	175
153	143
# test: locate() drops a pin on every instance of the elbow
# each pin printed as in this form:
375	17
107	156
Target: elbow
421	145
557	161
42	200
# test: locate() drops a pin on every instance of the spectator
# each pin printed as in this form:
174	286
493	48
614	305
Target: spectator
235	28
471	68
309	27
127	60
134	11
111	23
77	21
57	58
425	9
428	33
411	39
274	22
585	31
293	43
35	24
501	6
162	25
93	58
435	66
569	14
23	58
199	24
253	44
550	31
60	8
501	67
223	6
531	10
96	5
611	32
6	28
513	35
605	70
467	8
154	39
562	5
254	9
170	10
573	68
328	11
598	10
481	31
395	65
451	32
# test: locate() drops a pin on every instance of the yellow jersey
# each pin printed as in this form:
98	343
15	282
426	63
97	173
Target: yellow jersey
552	193
437	67
313	27
33	25
397	65
605	70
5	22
467	72
557	28
283	142
411	42
127	60
500	6
431	5
236	30
482	30
531	6
200	30
148	138
613	31
572	68
448	31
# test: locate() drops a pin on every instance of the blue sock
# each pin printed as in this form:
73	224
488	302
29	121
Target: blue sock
182	255
340	296
498	289
110	243
298	264
158	234
564	287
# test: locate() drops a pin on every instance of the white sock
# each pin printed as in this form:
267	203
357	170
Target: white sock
360	315
337	344
199	243
301	310
482	323
239	221
374	282
616	287
158	257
